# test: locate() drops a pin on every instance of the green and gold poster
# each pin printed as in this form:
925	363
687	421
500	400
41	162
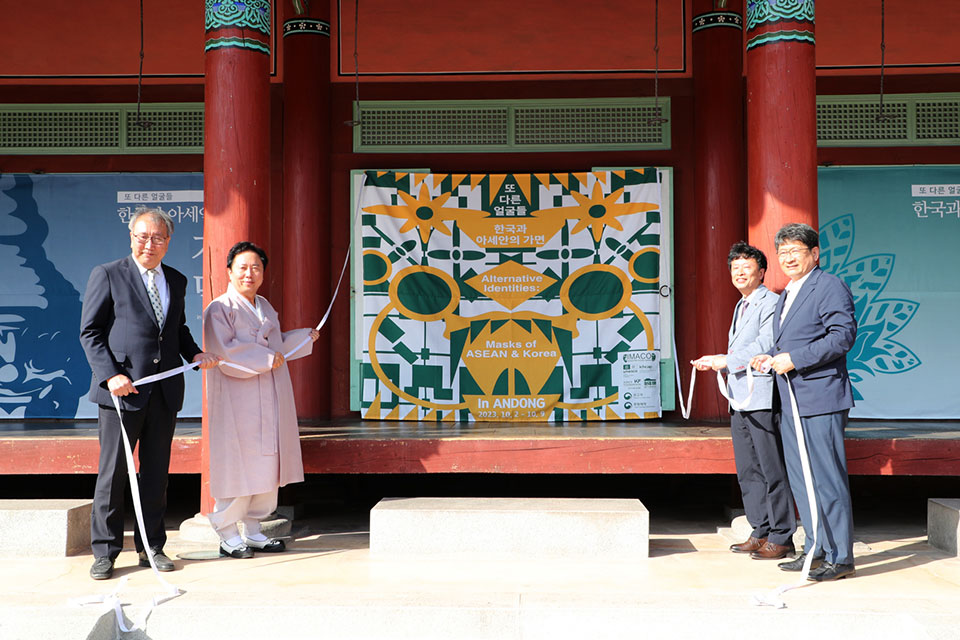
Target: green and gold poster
510	297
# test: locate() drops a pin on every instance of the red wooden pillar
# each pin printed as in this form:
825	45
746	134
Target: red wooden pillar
306	197
718	179
781	123
236	148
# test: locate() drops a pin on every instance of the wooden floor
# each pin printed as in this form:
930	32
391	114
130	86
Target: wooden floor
874	447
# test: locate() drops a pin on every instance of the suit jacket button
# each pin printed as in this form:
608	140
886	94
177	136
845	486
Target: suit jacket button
156	361
779	349
161	338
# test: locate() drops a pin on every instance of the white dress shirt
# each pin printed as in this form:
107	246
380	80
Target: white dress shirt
792	289
161	283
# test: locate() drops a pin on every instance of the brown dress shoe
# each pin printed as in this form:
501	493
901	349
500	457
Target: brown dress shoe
773	551
752	544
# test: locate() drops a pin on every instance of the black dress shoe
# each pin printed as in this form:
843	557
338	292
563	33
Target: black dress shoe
271	545
159	558
102	569
830	571
239	551
797	563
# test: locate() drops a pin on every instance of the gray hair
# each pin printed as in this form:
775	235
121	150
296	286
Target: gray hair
159	216
797	232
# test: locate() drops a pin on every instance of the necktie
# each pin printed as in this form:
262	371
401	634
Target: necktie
742	310
154	294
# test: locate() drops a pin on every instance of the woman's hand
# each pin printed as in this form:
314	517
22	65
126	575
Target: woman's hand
314	334
277	360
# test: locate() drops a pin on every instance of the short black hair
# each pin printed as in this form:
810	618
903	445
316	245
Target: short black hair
797	232
743	250
243	247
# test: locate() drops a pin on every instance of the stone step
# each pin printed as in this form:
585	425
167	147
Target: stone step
943	523
38	527
529	527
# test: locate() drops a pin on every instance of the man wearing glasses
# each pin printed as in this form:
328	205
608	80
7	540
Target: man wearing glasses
133	325
814	327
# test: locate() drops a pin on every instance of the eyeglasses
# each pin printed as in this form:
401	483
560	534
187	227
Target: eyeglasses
796	252
143	238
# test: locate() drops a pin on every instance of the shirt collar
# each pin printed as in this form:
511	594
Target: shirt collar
143	270
794	285
753	294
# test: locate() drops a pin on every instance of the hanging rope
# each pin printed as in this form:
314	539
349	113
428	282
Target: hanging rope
143	124
658	118
883	117
356	122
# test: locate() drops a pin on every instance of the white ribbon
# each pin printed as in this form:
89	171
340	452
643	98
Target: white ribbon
112	600
736	406
773	598
163	375
684	409
336	291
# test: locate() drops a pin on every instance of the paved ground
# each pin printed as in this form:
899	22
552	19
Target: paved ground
329	586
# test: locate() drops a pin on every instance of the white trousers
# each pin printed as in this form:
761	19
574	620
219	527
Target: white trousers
250	510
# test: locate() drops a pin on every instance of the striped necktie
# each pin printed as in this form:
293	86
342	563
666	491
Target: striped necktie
154	294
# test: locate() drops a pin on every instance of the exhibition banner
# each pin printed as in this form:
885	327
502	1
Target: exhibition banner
53	230
891	234
510	297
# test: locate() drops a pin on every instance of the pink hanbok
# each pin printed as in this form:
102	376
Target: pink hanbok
253	430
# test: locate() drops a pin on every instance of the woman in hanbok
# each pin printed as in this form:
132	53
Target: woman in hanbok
254	436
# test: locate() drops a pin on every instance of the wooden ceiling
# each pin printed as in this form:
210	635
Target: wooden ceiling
99	39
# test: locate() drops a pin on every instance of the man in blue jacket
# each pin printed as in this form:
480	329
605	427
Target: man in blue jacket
814	327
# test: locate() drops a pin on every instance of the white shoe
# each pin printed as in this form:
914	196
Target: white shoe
235	550
270	545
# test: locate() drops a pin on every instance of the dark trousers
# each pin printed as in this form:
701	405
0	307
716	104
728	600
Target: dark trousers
152	427
762	475
823	435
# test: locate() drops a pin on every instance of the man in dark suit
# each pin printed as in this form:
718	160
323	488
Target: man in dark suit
756	438
814	327
133	325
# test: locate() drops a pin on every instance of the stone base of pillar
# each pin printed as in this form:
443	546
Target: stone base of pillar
198	529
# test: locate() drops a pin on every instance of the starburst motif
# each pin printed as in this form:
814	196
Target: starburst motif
424	213
597	211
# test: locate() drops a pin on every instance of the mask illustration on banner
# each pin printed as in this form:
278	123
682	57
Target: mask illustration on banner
43	372
508	296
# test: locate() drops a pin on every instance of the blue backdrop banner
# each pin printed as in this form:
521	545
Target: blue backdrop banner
891	234
53	230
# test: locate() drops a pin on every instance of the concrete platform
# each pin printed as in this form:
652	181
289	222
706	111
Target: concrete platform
329	586
582	528
943	523
37	527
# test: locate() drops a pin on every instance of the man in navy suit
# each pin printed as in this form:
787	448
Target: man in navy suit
814	327
133	325
756	438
